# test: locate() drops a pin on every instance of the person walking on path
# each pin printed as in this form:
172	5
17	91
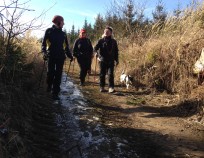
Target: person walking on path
83	51
107	53
55	48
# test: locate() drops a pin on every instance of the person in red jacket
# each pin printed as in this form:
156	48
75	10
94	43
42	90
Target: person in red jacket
55	48
83	51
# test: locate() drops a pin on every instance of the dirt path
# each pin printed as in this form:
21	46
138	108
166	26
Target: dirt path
130	124
75	128
153	125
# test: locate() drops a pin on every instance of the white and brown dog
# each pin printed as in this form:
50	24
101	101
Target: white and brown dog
126	79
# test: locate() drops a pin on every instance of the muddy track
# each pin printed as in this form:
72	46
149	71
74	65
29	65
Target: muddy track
103	125
75	128
44	134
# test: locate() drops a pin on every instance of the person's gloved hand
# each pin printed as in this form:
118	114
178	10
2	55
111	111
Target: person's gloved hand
99	59
45	56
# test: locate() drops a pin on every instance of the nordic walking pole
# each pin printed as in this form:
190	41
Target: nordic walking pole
41	75
116	65
89	70
115	69
68	71
95	70
73	66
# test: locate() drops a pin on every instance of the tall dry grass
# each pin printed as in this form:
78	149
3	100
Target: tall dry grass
165	59
18	93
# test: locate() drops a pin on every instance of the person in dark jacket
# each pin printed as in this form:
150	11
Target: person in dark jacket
107	54
83	51
55	48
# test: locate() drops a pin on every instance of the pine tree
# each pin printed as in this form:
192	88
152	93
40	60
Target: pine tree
99	26
177	11
159	15
72	35
129	15
85	24
109	19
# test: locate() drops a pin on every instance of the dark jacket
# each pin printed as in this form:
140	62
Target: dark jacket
83	48
108	49
55	42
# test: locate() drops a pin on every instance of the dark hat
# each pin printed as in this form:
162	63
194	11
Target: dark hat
83	31
57	19
109	28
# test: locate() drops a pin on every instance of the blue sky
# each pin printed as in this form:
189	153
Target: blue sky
76	11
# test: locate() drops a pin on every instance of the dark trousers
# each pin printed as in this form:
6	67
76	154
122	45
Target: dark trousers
107	67
54	74
84	65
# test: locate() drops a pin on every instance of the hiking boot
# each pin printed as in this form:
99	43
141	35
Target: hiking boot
111	90
102	89
81	84
55	97
82	80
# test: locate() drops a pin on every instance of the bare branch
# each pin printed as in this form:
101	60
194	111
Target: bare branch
15	28
8	5
18	8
